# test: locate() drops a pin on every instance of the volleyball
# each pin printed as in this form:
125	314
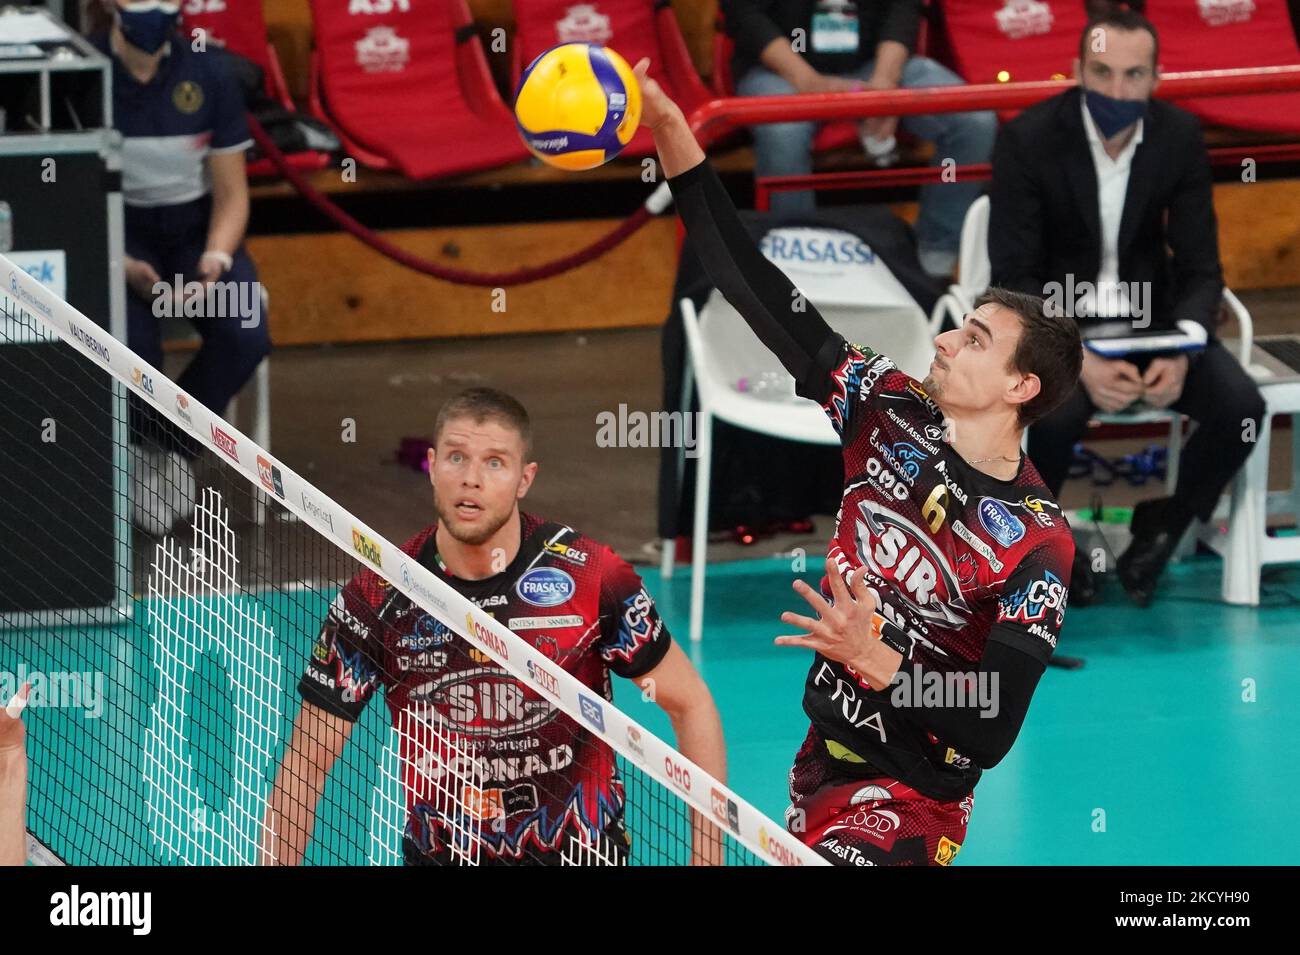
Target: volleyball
578	105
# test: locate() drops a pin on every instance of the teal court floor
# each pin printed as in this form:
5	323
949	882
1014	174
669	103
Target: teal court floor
1174	745
1153	738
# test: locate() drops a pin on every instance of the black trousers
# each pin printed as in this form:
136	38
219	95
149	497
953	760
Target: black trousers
1217	394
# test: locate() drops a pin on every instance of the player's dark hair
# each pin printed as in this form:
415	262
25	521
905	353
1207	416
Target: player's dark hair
1120	16
1049	347
487	404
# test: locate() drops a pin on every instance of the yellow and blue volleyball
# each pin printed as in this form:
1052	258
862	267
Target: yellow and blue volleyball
578	105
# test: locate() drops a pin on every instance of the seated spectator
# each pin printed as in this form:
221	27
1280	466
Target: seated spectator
1103	185
828	46
183	120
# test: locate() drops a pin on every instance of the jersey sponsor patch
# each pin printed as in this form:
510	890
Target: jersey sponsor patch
947	851
427	632
903	456
483	702
1039	508
870	793
545	622
875	825
998	520
977	545
896	549
1032	603
967	570
637	626
560	549
545	587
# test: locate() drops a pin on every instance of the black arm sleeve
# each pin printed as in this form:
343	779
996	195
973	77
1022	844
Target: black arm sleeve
783	321
1011	676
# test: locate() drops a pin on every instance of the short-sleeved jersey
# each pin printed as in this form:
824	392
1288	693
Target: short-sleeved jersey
529	773
954	556
191	109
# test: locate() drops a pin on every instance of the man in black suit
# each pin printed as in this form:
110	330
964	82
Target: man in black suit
1102	188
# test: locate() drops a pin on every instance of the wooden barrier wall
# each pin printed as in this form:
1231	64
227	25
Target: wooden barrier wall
331	288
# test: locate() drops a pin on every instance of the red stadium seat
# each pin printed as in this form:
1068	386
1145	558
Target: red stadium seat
1230	34
633	28
238	26
1013	41
406	86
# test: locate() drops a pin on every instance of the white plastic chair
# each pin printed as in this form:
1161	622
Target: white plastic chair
1242	540
868	305
974	273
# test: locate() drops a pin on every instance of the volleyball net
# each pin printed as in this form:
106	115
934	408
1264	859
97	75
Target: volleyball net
171	591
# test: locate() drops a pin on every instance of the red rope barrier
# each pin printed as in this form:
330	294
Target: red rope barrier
411	261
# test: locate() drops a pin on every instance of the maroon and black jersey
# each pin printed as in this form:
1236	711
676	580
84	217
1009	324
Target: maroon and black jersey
537	776
970	572
955	557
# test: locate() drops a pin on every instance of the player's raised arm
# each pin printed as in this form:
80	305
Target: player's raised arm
757	289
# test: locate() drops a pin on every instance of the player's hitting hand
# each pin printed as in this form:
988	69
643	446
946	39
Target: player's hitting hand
656	107
846	631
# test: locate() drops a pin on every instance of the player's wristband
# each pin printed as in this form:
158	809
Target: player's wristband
225	258
890	634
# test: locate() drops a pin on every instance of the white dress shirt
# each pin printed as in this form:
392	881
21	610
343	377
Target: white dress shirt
1112	187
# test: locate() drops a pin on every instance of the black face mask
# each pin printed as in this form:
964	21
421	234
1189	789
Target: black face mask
147	26
1110	114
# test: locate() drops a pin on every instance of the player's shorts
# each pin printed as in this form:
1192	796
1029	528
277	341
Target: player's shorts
613	850
870	820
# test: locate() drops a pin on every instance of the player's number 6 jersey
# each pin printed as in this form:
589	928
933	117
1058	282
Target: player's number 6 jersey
954	556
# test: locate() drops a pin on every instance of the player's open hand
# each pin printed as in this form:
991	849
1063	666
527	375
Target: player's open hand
847	630
656	107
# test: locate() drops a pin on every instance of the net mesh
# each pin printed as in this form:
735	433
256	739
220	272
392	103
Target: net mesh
164	607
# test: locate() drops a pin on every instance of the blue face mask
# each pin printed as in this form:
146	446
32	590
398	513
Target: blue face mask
147	26
1111	115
